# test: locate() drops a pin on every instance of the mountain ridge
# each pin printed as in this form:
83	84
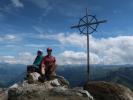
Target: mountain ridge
98	72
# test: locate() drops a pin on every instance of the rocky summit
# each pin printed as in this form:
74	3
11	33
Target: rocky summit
56	89
59	89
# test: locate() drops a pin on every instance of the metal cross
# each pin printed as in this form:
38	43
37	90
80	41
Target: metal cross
87	25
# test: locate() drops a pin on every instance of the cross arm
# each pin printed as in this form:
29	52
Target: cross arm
88	24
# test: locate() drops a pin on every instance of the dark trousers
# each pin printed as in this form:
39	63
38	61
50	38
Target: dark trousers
49	71
32	68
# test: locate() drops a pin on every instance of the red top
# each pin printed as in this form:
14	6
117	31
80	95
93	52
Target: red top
48	60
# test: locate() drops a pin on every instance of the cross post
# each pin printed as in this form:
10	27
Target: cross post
88	24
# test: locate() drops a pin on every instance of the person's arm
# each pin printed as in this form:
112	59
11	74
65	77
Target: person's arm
34	63
43	67
54	66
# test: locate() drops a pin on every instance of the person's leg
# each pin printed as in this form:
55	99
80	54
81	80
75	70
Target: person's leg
53	69
42	72
29	69
47	73
50	72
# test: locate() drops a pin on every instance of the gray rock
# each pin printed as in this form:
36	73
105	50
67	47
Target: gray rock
55	82
108	91
54	89
61	80
83	92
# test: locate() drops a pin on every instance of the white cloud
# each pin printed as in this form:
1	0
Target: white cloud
65	39
21	58
10	38
17	3
8	59
112	50
25	58
117	50
73	39
71	57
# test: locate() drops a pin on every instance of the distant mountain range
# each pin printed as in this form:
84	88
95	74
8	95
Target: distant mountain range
75	74
10	73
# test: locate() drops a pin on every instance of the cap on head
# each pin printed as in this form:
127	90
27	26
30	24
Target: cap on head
49	49
40	51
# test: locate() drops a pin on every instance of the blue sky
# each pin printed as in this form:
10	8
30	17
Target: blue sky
29	25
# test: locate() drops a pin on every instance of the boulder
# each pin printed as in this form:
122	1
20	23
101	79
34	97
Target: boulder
108	91
55	89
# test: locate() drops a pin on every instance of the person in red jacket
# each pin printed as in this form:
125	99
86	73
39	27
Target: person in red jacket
48	65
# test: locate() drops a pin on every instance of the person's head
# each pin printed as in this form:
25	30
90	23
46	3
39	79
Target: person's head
49	51
39	52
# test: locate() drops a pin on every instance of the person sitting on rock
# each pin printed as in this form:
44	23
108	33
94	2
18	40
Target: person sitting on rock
38	60
35	67
48	65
